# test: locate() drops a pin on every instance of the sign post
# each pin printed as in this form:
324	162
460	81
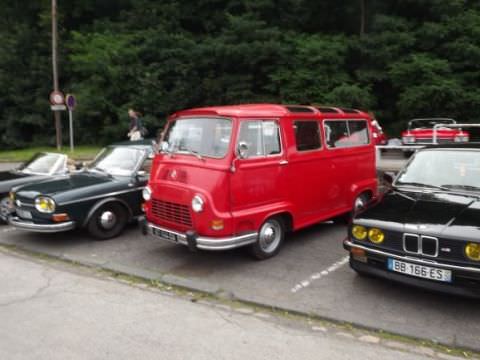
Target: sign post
71	102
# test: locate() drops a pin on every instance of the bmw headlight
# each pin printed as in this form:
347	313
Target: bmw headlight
45	204
197	204
147	193
472	250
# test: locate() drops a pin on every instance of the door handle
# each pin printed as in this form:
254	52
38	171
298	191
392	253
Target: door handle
283	162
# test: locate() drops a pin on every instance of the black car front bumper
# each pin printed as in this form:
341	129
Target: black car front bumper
26	225
466	279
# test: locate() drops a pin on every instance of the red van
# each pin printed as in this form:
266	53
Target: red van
232	176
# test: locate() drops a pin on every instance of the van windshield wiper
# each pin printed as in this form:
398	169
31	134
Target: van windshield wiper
191	152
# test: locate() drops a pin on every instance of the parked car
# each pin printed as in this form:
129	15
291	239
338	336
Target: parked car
41	166
425	231
232	176
421	132
378	135
102	198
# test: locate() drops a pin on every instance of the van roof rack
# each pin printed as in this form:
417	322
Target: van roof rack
326	109
299	109
349	111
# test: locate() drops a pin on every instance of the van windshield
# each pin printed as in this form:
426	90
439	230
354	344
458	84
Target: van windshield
201	136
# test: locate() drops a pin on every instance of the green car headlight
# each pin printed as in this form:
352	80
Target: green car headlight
45	204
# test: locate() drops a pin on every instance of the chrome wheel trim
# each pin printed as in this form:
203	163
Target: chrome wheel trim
107	220
270	236
360	204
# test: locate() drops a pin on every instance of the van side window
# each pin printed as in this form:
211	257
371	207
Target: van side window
307	135
346	133
262	137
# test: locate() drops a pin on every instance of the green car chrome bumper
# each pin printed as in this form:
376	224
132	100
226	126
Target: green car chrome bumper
43	228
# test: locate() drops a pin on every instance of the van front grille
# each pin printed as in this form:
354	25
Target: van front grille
172	212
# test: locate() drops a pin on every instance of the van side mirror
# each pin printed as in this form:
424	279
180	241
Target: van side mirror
242	150
164	146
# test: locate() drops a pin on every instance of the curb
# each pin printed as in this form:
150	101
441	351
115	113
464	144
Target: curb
218	293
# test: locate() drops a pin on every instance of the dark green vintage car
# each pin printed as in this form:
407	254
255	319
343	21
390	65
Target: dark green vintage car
102	198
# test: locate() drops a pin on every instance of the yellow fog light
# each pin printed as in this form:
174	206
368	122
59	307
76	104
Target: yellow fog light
217	224
376	235
359	232
472	251
11	195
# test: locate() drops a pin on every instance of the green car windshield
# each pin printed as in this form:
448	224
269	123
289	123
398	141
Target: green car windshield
118	161
444	170
201	136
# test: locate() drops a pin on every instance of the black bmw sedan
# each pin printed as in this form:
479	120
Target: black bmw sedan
425	231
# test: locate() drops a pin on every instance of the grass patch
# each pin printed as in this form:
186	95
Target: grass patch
84	152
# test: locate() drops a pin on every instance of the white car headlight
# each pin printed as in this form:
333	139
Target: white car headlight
197	204
45	204
147	193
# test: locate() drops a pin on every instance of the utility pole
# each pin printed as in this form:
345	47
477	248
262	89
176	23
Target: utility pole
58	125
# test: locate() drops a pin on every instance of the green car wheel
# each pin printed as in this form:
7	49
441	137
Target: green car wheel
108	221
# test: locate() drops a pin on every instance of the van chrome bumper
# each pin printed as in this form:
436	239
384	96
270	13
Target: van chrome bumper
200	242
42	228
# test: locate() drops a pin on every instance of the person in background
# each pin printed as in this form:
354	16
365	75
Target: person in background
135	128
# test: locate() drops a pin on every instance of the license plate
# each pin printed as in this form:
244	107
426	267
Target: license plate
166	235
24	214
421	271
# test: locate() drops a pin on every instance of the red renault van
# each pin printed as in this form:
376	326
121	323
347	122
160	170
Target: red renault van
232	176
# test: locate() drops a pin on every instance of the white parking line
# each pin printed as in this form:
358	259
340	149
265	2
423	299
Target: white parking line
317	276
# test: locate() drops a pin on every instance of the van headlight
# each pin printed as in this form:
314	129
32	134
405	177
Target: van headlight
197	204
147	193
45	204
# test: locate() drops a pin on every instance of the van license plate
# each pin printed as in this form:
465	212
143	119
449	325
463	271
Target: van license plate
166	235
24	214
421	271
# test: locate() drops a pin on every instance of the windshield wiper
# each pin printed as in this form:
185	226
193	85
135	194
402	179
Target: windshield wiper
191	152
461	187
422	185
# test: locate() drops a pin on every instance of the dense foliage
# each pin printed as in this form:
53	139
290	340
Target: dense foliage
397	58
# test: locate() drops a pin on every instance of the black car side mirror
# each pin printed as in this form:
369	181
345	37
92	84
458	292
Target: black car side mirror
78	165
388	178
141	176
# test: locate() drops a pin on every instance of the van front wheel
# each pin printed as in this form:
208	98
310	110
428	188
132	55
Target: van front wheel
270	239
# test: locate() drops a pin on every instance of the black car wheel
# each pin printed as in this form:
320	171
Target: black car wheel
108	221
270	239
5	209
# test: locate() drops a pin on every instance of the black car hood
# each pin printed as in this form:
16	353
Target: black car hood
63	184
435	213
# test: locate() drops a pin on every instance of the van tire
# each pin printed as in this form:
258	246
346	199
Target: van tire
108	221
270	239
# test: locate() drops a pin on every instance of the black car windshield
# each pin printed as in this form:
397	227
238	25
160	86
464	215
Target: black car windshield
201	136
428	123
44	163
443	169
117	160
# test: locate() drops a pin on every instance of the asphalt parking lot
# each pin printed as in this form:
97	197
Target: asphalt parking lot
310	275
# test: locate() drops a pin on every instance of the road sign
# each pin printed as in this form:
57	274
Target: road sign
70	101
57	98
60	107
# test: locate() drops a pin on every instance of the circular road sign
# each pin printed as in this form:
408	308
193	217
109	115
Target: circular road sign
70	101
57	98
